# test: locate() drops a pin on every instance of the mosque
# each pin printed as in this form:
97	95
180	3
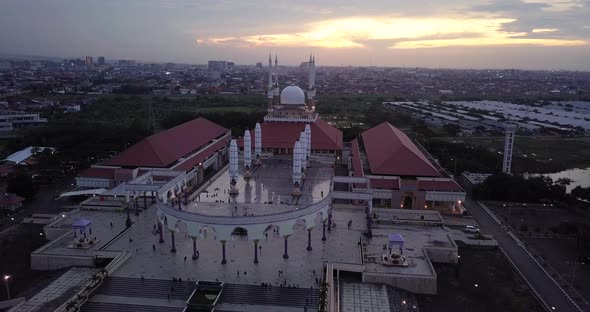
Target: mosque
218	198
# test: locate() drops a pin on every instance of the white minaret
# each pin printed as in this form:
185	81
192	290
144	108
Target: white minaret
233	161
310	74
303	140
269	72
297	163
507	165
313	73
247	149
277	91
258	140
308	135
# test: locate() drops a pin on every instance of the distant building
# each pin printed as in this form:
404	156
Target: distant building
126	63
101	61
11	201
10	120
220	66
89	61
259	65
5	65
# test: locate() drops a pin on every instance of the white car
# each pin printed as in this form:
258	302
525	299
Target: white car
471	229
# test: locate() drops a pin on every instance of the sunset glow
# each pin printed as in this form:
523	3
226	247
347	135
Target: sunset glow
403	33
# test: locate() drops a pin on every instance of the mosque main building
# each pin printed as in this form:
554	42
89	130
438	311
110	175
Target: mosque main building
318	205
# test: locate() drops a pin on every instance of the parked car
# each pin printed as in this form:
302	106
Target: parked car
471	229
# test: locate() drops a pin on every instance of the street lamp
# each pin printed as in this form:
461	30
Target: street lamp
6	278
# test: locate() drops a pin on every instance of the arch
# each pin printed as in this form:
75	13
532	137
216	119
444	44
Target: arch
319	218
239	233
208	232
181	227
272	230
300	225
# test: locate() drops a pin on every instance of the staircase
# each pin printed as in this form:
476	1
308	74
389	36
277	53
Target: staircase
148	288
276	296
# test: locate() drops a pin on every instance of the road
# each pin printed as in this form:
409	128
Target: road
545	287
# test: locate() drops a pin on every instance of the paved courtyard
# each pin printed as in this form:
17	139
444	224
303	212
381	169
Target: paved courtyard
268	191
298	269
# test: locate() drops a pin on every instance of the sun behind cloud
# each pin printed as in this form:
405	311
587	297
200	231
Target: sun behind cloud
402	33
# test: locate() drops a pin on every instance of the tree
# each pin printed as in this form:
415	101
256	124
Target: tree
22	185
452	129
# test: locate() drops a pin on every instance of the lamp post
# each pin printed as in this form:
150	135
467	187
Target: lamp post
6	278
509	211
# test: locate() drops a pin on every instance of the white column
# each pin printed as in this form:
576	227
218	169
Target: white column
258	140
303	140
297	163
233	160
247	149
308	134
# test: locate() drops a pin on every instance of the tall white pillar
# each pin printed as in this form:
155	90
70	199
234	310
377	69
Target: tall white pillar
247	149
507	164
258	140
308	135
297	163
303	140
233	161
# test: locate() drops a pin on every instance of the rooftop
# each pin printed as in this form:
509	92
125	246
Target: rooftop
284	134
392	152
164	148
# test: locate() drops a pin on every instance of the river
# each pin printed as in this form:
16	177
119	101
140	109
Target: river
579	177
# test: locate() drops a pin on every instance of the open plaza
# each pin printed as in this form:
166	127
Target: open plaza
288	210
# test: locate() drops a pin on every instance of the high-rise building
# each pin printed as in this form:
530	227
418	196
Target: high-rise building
220	66
89	61
101	60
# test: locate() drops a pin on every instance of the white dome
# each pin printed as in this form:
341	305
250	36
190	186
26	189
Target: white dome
292	95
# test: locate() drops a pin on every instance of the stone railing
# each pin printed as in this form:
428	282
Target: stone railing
241	220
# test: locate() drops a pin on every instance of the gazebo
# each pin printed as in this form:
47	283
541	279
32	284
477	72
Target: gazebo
81	225
396	239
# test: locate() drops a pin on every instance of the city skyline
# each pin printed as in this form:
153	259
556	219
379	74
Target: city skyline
458	34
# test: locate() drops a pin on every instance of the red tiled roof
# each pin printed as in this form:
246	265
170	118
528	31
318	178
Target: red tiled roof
357	165
441	186
10	199
391	152
99	173
284	134
164	148
202	155
390	184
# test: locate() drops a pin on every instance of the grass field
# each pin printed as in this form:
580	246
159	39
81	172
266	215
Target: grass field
570	152
498	287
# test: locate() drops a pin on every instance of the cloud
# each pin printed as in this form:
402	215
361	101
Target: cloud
401	32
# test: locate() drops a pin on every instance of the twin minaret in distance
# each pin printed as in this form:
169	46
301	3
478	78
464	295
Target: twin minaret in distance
297	109
273	91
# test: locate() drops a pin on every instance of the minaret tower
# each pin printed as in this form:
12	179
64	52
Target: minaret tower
311	84
270	91
277	91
